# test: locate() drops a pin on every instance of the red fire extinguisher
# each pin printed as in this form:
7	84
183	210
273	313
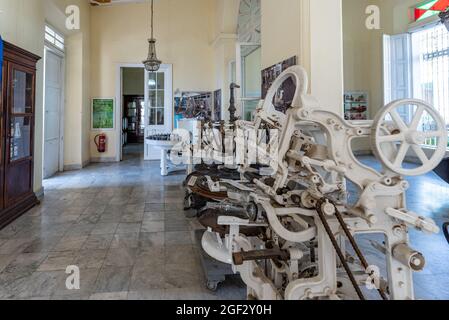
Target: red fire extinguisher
100	141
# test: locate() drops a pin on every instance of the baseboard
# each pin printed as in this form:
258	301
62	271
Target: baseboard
72	167
40	194
86	163
103	160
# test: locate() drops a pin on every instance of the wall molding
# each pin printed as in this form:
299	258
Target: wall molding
224	37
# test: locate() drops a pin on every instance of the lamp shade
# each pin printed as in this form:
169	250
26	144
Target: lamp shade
152	64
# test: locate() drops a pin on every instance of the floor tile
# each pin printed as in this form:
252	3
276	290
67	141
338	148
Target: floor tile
57	261
121	257
70	243
153	226
90	258
113	279
98	241
104	228
128	228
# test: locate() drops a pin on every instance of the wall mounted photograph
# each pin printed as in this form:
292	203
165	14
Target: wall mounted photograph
217	105
102	114
286	92
194	105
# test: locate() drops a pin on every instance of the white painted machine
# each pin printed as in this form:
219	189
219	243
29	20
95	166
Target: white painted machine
296	234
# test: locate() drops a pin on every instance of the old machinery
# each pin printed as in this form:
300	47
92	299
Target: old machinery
283	214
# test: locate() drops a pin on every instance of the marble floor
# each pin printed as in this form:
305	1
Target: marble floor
123	225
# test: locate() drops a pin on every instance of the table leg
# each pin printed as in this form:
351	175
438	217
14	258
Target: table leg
164	170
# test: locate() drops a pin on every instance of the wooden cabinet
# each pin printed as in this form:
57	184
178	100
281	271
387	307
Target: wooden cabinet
134	113
17	116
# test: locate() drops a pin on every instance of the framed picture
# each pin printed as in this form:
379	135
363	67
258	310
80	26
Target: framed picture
356	105
284	96
103	114
217	105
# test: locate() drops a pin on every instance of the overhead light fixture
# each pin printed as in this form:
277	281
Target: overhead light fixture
444	16
152	64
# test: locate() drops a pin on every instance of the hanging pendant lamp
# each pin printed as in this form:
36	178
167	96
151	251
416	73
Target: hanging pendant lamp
152	64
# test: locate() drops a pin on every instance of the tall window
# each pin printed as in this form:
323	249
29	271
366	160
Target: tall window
156	99
430	65
54	38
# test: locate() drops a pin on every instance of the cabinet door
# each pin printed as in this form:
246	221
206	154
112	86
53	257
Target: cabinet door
20	128
2	132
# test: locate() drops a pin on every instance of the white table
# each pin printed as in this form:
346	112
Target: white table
165	146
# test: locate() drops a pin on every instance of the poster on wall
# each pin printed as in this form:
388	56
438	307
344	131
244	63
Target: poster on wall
102	114
194	105
286	92
217	105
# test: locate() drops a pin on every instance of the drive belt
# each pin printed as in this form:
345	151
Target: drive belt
352	241
338	250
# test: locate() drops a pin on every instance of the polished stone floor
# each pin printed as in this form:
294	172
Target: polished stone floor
122	224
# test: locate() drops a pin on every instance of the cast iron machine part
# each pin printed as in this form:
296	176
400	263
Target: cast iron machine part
232	108
300	214
446	231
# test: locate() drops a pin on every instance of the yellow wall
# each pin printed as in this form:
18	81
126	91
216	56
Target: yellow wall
363	48
22	23
184	31
280	30
311	30
224	46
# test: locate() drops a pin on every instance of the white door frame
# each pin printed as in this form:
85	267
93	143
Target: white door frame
62	107
240	70
168	102
118	107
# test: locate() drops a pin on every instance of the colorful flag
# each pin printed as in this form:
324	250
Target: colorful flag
430	8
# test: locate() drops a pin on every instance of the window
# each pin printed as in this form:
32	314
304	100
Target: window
54	38
429	9
430	65
156	105
250	78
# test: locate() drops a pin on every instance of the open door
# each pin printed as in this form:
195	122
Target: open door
249	77
159	106
398	70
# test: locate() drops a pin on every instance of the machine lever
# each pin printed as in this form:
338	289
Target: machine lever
240	257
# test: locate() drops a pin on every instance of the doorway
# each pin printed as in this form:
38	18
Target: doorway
133	112
53	118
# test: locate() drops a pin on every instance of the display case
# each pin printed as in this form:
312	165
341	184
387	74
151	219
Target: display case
134	118
356	105
17	112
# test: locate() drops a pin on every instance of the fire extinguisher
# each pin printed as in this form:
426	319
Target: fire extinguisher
100	141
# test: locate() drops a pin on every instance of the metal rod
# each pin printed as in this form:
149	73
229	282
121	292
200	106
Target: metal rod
339	252
356	247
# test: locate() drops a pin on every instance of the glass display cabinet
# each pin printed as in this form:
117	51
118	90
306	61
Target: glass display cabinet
17	107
